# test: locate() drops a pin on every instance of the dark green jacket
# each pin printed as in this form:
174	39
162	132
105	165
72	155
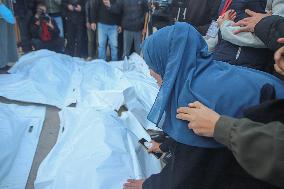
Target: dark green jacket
258	147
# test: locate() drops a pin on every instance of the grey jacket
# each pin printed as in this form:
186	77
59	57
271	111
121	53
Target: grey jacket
259	148
53	6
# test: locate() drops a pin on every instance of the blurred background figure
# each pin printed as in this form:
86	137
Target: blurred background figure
54	11
45	32
8	44
74	25
24	10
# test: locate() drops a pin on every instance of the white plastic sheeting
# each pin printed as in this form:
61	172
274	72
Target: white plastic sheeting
43	77
19	134
96	150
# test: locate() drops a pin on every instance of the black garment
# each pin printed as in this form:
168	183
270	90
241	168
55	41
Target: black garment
24	7
74	38
198	13
55	45
256	58
202	168
75	21
103	15
269	29
133	13
73	15
23	10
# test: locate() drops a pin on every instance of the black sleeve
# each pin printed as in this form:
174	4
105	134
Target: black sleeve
165	146
87	11
214	14
269	29
94	8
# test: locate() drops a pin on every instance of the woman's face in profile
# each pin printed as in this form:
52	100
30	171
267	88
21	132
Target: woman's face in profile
157	77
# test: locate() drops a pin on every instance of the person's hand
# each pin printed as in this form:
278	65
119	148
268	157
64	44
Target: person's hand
88	25
78	8
229	15
155	148
279	58
93	26
107	3
50	24
157	77
133	184
202	120
37	23
248	24
70	7
119	29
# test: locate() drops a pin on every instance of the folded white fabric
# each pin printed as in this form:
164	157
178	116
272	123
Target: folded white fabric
95	150
19	133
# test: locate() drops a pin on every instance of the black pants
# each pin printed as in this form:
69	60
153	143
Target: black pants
23	22
74	36
201	168
56	45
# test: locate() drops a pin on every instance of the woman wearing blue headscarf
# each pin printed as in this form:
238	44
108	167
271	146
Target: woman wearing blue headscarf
180	56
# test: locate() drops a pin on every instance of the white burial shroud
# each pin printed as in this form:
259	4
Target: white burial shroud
20	129
96	150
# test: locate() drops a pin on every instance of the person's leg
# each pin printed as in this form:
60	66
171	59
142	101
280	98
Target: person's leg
70	35
127	42
91	40
23	23
78	38
102	39
113	34
137	41
57	45
38	44
59	22
4	43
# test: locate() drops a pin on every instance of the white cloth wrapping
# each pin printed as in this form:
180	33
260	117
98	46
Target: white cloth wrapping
96	150
19	134
43	77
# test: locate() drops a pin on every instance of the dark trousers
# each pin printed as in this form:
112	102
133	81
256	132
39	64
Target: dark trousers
56	45
74	37
201	168
23	22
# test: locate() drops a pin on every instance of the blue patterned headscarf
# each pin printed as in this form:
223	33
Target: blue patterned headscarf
180	55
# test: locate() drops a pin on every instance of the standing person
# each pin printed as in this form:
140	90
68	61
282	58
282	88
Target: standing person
8	44
54	10
108	27
75	22
133	13
45	32
24	10
91	29
199	13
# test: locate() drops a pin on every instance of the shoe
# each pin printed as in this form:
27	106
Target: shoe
89	58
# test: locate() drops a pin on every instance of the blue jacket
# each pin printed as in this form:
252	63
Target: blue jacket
259	59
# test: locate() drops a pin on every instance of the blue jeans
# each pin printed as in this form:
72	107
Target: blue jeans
59	22
107	32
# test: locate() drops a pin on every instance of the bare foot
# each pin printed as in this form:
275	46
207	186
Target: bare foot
133	184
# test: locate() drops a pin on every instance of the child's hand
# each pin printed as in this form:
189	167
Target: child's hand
229	15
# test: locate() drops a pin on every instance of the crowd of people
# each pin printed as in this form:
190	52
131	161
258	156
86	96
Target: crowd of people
220	75
75	27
